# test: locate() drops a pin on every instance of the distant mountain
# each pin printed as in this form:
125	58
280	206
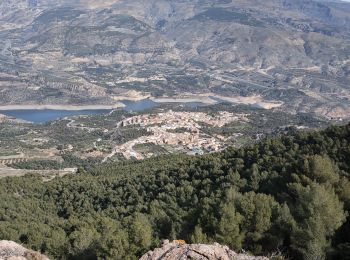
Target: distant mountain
293	51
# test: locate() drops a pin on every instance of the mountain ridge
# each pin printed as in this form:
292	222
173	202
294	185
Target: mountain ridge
291	51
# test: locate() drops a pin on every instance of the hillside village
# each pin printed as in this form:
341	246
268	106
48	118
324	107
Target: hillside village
181	130
119	135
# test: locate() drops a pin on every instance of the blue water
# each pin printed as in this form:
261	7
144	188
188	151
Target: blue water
194	104
46	115
137	106
219	100
146	104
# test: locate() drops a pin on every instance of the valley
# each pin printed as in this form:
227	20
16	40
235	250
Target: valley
254	199
293	55
220	125
137	131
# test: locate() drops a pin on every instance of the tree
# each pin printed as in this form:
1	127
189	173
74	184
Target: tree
82	243
257	212
198	236
228	231
140	233
114	245
114	241
318	213
322	170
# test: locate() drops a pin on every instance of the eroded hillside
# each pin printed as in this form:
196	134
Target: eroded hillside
293	52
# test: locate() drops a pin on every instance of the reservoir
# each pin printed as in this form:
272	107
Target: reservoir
146	104
138	106
40	116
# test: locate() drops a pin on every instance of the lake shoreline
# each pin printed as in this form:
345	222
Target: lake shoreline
206	99
194	99
212	99
61	107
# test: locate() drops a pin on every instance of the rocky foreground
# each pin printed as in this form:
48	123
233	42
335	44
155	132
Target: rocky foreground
178	250
12	251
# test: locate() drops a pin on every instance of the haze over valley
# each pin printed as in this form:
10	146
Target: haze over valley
293	53
175	129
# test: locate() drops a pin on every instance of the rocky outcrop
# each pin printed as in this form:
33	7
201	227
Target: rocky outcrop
12	251
178	250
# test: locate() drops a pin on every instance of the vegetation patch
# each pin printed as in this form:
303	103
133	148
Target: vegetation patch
290	194
223	15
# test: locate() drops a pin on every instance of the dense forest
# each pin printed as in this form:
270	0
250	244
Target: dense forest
289	194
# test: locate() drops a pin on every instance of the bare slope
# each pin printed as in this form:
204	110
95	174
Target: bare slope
295	52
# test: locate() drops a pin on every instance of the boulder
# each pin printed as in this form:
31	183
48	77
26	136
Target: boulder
10	250
178	250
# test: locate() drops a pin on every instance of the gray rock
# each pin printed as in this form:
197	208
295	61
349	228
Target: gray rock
10	250
179	251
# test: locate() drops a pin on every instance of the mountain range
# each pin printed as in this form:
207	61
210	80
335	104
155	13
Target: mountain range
293	52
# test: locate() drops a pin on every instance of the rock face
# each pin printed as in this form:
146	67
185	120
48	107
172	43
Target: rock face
180	251
12	251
